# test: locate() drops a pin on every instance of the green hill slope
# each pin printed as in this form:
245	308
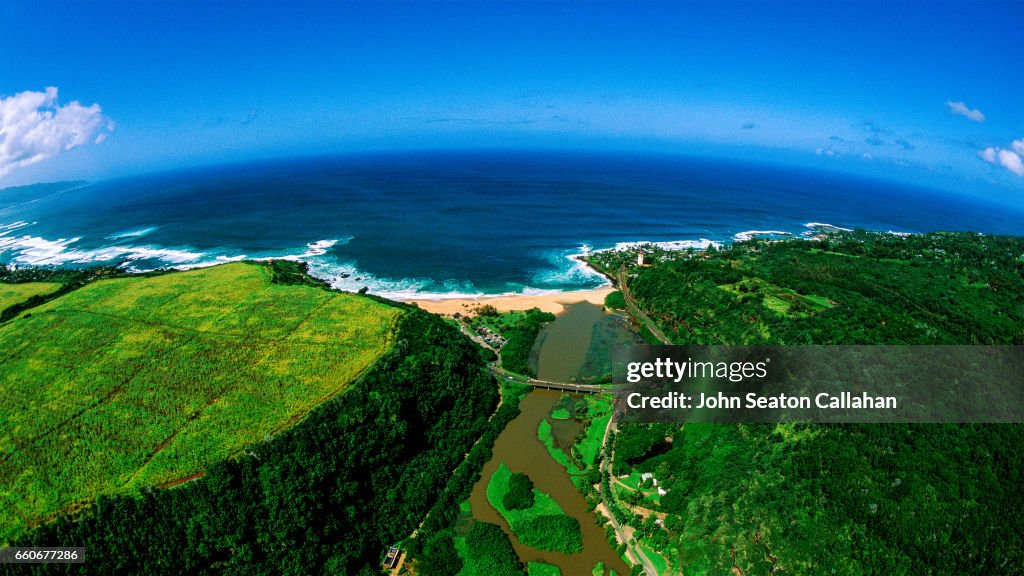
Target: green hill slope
329	491
135	382
834	499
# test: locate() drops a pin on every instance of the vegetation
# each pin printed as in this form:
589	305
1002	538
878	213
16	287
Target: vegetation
852	288
520	329
596	418
11	294
560	414
436	546
615	300
323	496
594	411
51	283
847	499
637	443
547	438
489	552
542	569
520	492
135	382
543	525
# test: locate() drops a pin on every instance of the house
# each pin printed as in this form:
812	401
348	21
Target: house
392	558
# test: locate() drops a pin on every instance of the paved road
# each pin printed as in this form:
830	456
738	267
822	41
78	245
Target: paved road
635	554
635	310
503	374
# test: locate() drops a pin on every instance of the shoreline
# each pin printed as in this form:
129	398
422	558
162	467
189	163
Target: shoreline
554	302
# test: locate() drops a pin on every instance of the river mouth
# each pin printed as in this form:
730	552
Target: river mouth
574	348
577	346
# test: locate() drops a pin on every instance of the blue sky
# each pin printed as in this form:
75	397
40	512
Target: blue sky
927	92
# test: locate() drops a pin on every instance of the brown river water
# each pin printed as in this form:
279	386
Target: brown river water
573	347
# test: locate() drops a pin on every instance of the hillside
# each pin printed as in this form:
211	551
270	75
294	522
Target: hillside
233	364
135	382
12	294
838	499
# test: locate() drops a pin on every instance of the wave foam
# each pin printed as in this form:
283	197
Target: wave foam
5	228
36	251
673	245
568	269
136	233
823	226
751	234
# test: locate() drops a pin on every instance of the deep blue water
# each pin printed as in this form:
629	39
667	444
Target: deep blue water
457	222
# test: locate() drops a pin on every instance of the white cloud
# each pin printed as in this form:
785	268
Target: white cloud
35	127
1011	161
962	109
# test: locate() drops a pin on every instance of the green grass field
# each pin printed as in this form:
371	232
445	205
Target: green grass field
145	381
659	562
11	294
560	414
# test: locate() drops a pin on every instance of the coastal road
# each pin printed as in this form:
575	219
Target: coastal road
635	310
635	554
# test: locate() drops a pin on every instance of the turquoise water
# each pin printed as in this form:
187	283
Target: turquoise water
447	223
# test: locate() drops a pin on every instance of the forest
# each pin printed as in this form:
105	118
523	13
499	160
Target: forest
837	499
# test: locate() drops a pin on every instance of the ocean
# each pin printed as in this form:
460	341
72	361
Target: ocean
447	224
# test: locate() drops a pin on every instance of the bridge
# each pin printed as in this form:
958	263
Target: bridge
503	374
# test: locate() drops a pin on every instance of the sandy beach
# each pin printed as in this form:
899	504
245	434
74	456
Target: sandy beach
554	303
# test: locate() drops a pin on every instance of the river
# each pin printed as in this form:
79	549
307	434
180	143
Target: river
575	347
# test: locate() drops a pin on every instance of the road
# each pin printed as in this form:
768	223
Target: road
503	374
635	310
635	554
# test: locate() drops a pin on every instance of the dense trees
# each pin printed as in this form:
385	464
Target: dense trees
878	499
841	499
515	354
434	547
615	300
520	492
491	552
636	443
